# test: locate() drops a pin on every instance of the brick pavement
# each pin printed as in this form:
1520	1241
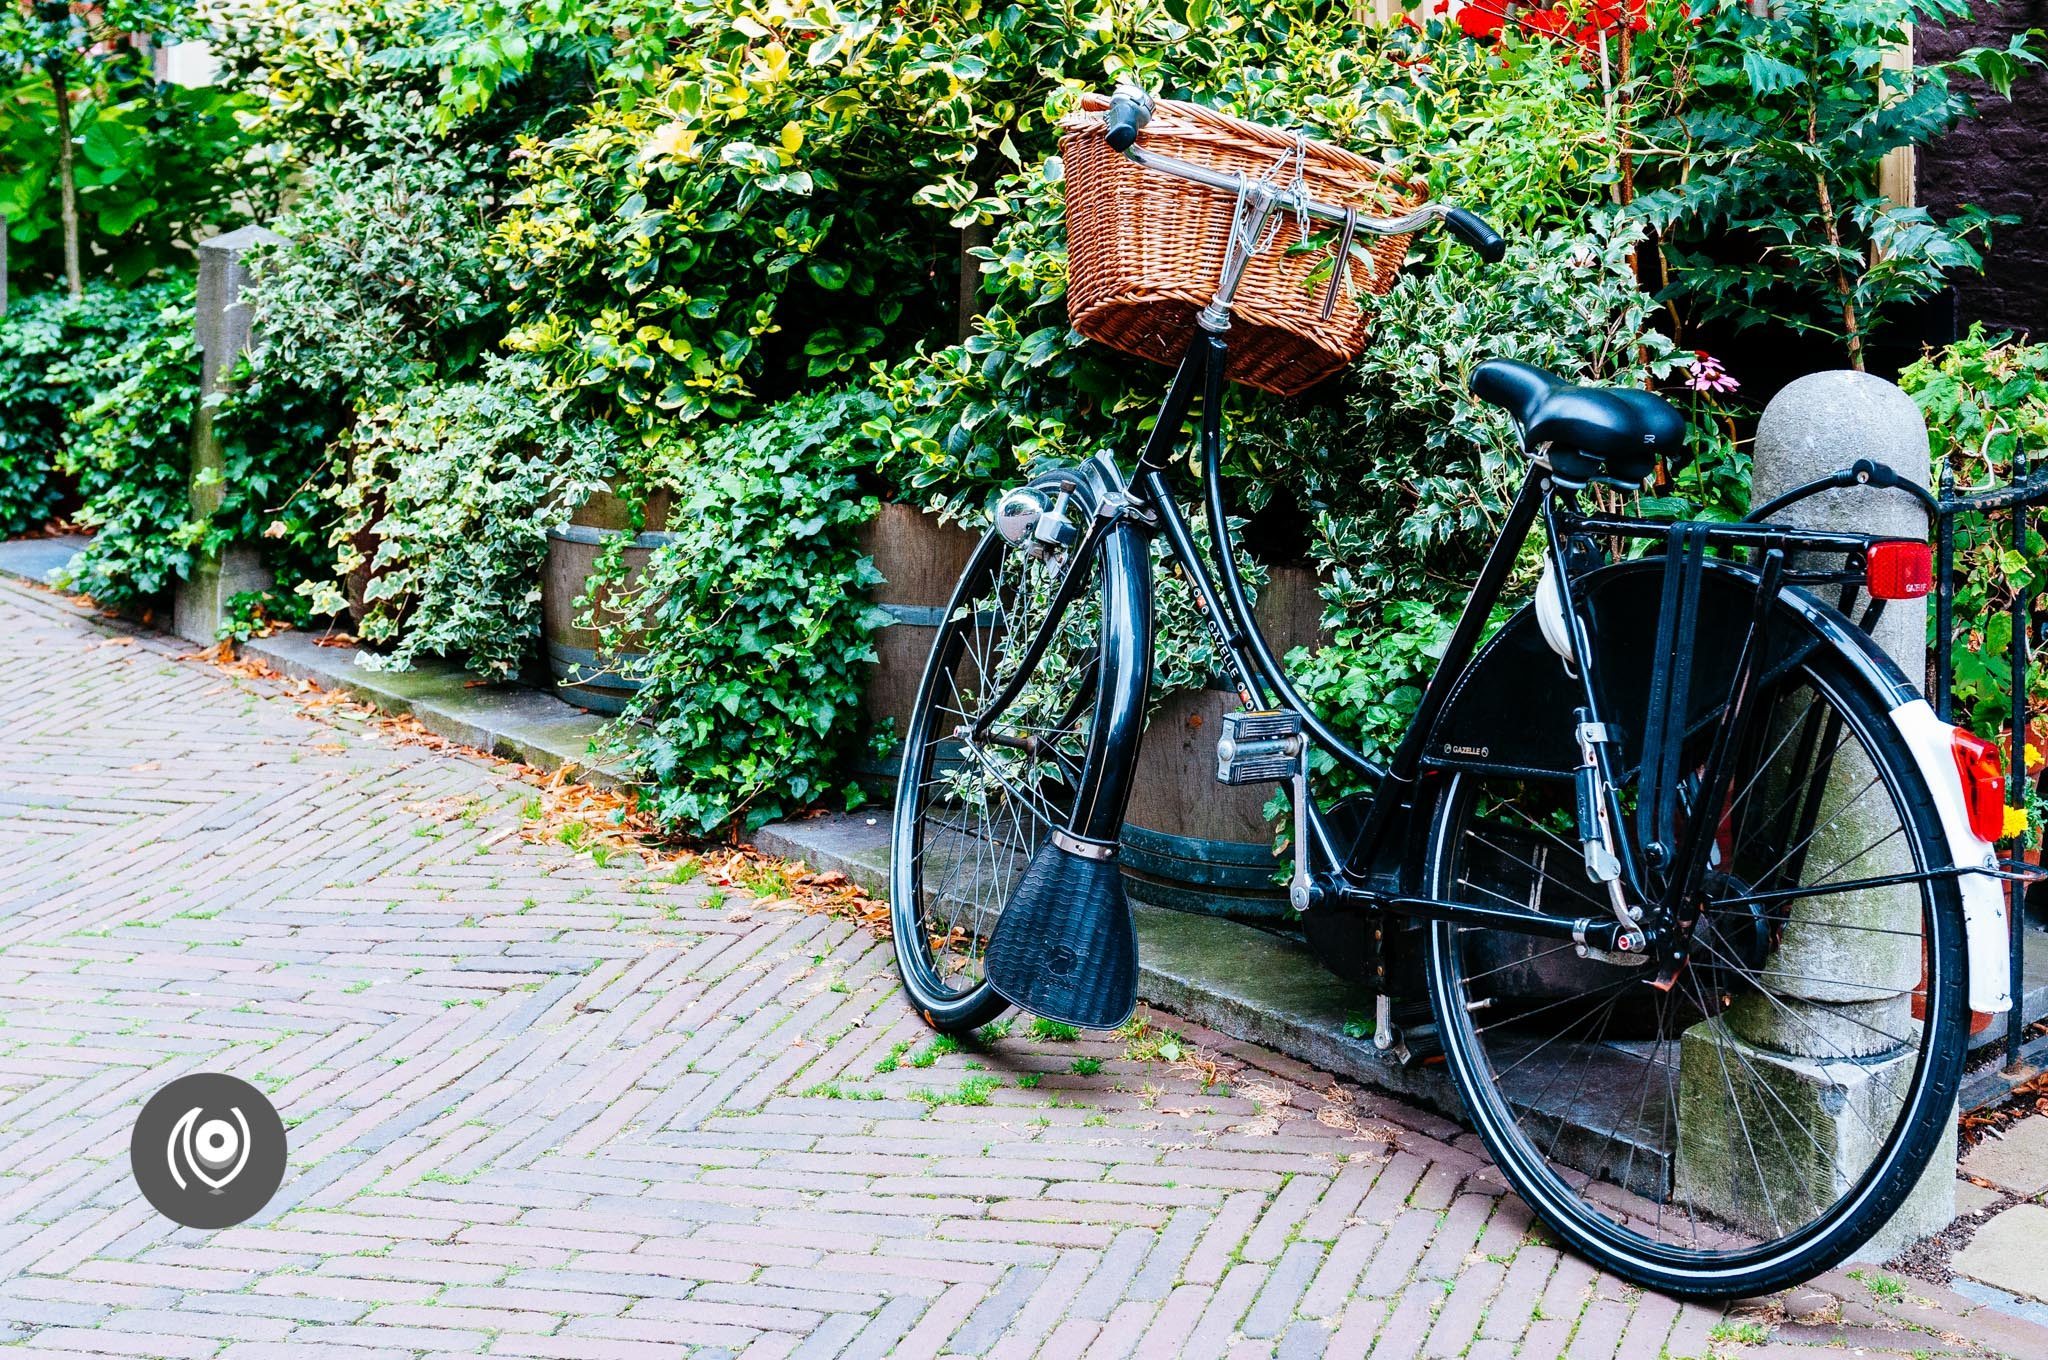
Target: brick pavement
542	1106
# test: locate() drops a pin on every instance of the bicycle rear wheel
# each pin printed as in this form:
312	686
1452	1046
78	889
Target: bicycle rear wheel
1767	1113
986	778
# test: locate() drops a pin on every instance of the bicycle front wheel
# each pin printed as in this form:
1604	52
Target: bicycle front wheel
1751	1122
996	752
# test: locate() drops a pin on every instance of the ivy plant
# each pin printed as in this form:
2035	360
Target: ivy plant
750	626
54	354
134	393
445	499
131	457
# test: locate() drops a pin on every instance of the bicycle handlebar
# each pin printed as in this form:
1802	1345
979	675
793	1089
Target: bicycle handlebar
1130	109
1473	230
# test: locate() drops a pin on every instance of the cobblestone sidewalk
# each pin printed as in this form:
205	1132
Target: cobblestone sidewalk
543	1106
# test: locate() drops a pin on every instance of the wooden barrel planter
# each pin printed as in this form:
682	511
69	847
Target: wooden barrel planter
572	651
920	560
1191	843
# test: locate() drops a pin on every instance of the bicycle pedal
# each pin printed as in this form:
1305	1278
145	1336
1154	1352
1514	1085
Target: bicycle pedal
1258	746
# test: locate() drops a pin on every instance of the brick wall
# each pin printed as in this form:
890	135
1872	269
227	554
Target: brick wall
2000	163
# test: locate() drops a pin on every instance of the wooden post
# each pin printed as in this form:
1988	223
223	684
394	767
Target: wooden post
1895	177
225	332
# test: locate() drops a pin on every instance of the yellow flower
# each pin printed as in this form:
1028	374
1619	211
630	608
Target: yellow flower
2015	822
2033	755
670	140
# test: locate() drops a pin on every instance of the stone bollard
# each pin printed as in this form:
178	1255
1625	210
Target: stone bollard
224	330
1793	1044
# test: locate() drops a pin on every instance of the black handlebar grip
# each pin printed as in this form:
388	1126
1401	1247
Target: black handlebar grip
1471	228
1127	113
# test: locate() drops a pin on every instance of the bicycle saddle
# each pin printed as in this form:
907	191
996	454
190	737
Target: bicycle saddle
1614	434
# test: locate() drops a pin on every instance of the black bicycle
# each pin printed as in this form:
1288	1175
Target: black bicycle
1692	879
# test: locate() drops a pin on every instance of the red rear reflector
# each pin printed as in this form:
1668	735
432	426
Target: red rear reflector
1983	772
1900	570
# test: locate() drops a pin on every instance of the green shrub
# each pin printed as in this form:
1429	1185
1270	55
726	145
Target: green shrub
52	357
781	204
1986	403
132	458
457	485
755	624
318	64
1510	130
1408	470
678	247
380	282
130	451
1400	471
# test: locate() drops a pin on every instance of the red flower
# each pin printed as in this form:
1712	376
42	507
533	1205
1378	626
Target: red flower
1583	22
1484	18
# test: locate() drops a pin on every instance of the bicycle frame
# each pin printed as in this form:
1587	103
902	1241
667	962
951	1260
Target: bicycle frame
1262	682
1340	870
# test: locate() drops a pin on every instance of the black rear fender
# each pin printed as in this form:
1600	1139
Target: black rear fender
1511	711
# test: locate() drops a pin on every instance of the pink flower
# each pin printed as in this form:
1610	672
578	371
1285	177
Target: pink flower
1707	375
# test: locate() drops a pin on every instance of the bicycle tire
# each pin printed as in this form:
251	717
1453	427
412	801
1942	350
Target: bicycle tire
1605	1223
939	968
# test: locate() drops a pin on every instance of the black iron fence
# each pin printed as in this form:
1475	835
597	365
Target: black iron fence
2023	1056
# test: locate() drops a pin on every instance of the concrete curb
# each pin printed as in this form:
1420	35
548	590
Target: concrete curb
508	720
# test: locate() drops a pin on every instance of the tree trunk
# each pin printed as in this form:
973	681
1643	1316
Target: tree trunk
67	180
973	237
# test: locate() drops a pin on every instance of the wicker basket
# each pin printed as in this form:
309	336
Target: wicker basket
1145	248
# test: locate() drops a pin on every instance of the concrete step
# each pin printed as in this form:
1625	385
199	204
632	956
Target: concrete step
41	560
1265	986
509	720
